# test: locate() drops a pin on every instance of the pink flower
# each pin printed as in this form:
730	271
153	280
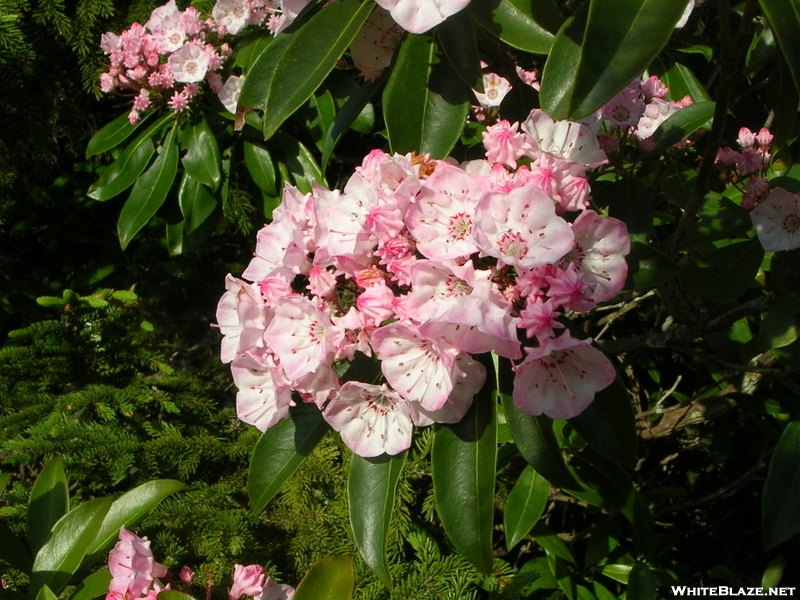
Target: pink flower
625	109
504	144
189	64
187	575
561	377
570	141
132	566
371	419
276	591
374	46
418	16
777	221
247	581
231	14
264	395
495	88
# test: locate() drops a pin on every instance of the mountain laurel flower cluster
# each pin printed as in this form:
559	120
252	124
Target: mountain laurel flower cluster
134	575
421	264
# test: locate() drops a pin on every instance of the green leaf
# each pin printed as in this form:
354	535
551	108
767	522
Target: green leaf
72	536
621	38
328	579
783	99
425	103
609	425
371	489
680	80
463	459
706	51
149	192
93	586
528	26
780	326
457	38
172	595
112	135
773	573
648	267
196	202
4	479
299	160
179	241
641	584
124	171
524	506
45	593
250	47
682	124
784	19
48	502
552	544
537	444
312	52
261	167
780	501
347	115
627	200
127	511
558	76
280	451
14	551
724	273
202	158
619	573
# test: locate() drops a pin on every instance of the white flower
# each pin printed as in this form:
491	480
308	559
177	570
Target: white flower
189	64
777	221
229	94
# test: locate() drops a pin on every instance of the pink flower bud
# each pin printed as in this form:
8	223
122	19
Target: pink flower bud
187	575
247	581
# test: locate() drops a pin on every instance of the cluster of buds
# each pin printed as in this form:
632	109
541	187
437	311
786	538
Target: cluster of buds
751	162
135	575
421	264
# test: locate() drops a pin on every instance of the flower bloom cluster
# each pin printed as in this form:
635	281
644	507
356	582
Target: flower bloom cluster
421	264
135	573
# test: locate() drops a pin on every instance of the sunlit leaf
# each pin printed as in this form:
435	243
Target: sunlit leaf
328	579
528	26
48	502
371	488
113	134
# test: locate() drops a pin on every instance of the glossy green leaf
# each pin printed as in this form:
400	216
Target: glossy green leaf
63	553
773	573
537	443
196	202
127	511
463	459
780	500
48	502
181	241
558	76
781	325
112	135
784	19
4	479
45	593
261	166
526	25
258	85
301	164
706	51
371	488
549	540
724	273
682	124
627	200
93	586
605	536
681	81
457	39
149	192
783	98
311	54
641	584
717	219
124	171
250	47
563	573
602	593
425	103
524	506
14	551
328	579
648	267
609	425
621	38
172	595
202	158
619	573
280	451
347	115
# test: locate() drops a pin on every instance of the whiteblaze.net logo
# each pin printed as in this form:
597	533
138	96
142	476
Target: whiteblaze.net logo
680	591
